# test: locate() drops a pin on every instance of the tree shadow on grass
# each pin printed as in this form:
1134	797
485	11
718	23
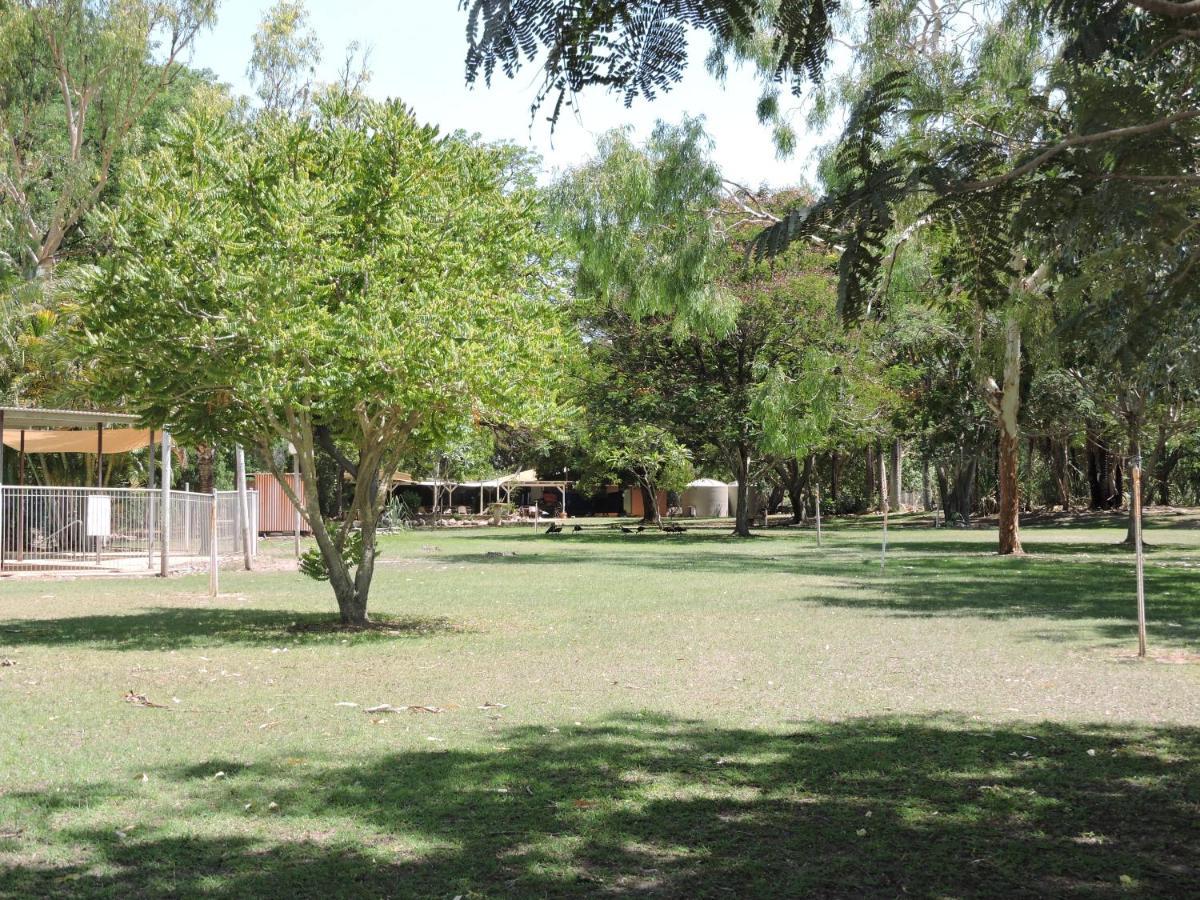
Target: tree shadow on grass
673	808
1057	580
172	628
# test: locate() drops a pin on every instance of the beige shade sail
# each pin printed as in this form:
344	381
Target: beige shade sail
116	440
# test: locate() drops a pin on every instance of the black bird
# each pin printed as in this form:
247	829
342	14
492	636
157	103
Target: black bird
641	528
553	529
627	530
577	528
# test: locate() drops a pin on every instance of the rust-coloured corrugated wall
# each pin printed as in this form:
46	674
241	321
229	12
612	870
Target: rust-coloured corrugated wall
276	514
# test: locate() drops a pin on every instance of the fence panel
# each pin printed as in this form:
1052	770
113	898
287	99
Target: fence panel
69	528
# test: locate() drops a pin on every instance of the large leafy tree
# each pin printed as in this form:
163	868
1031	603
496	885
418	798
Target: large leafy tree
77	79
351	280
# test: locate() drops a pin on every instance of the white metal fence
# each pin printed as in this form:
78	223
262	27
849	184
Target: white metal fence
69	528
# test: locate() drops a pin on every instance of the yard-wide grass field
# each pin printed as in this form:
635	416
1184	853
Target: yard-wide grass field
687	716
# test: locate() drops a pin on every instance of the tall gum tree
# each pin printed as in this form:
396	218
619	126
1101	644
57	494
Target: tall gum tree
349	280
76	80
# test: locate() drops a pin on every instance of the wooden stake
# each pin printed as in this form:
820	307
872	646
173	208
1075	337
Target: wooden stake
213	577
150	502
164	516
1136	478
883	497
296	488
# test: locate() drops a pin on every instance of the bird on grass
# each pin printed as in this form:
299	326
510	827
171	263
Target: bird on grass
625	529
577	528
641	528
553	529
674	529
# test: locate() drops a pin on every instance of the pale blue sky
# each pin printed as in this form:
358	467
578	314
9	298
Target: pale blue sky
417	49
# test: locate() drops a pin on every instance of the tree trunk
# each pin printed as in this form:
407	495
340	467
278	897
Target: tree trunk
957	489
1010	441
869	481
350	590
926	499
896	476
835	477
775	500
1057	455
789	473
741	469
1101	484
1134	426
807	477
651	514
206	457
1165	462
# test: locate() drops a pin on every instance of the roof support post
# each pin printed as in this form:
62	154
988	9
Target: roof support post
21	500
99	454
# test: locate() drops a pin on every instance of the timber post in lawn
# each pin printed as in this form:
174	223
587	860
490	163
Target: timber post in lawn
213	577
165	507
150	502
883	505
243	504
1135	475
296	488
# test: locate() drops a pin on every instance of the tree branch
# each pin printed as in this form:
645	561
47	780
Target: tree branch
1078	140
1169	8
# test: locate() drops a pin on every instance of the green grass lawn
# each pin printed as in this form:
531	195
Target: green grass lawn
684	716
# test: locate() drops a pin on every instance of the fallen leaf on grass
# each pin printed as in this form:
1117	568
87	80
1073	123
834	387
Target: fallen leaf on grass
345	703
5	662
141	700
584	804
267	725
388	708
491	705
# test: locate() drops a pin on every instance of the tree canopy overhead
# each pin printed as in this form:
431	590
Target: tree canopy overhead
638	48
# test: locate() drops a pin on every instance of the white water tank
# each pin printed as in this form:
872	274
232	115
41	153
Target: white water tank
709	496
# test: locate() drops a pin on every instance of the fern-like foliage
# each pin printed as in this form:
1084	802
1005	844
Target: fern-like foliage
635	47
859	213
